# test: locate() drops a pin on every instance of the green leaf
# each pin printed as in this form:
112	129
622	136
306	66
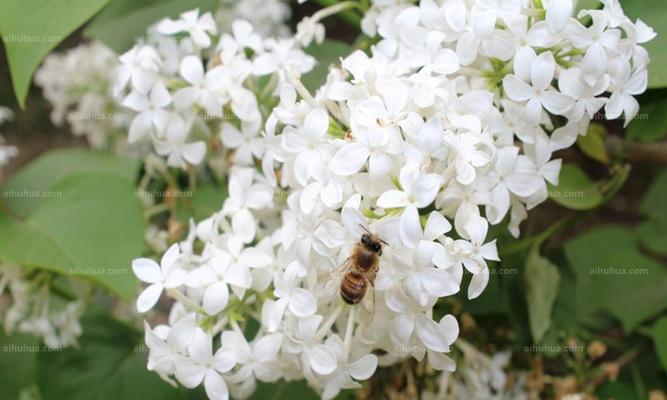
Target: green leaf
592	144
650	125
93	231
30	29
541	278
654	13
326	54
659	333
653	232
17	363
653	203
575	191
588	5
613	277
110	364
30	187
134	17
653	235
208	199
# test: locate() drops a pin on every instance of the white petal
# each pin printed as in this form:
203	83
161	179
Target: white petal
224	360
393	199
182	332
543	70
146	270
410	227
302	303
255	258
559	13
349	159
516	89
215	298
364	367
316	123
192	69
216	388
431	334
436	226
149	297
322	360
400	329
478	283
194	152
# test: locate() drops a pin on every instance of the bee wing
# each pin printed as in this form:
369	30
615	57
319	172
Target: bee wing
331	283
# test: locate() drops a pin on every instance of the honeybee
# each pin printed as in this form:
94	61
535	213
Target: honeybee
355	277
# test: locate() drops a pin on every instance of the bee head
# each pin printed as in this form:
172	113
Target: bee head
371	243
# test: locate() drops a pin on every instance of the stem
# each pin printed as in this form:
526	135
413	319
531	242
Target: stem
302	90
333	7
329	322
155	209
180	296
347	343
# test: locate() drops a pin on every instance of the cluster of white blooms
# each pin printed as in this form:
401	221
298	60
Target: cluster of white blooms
28	306
446	127
77	84
182	86
6	152
481	377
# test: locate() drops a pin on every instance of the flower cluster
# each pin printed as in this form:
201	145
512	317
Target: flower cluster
446	127
6	152
78	83
179	88
28	306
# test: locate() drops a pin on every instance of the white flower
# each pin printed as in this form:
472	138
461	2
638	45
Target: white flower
417	191
166	275
138	66
215	276
199	28
255	360
315	356
204	89
305	144
342	378
204	366
541	70
626	83
151	111
176	149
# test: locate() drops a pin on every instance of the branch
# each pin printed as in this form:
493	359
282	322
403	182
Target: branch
647	153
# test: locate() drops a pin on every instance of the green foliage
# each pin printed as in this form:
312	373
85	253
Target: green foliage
208	199
575	190
30	29
18	363
651	123
613	276
109	364
327	53
659	334
124	22
41	174
654	13
542	279
592	144
86	224
653	232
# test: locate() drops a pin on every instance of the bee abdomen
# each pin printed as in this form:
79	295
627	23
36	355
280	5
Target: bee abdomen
353	288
